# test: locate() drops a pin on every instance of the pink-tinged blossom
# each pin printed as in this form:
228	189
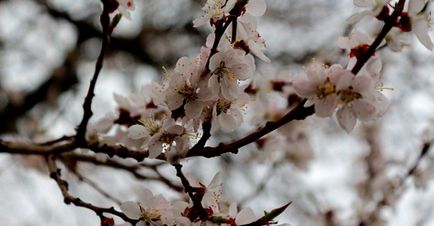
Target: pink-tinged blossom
227	69
214	10
159	135
245	216
320	88
420	20
227	115
396	39
147	101
101	126
359	98
148	210
356	43
372	8
174	217
213	193
125	6
256	7
248	38
185	87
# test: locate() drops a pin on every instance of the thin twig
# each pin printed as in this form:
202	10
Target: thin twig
95	186
133	169
69	199
87	105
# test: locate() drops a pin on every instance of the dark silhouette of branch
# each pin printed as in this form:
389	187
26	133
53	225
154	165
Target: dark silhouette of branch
29	148
297	113
87	105
195	194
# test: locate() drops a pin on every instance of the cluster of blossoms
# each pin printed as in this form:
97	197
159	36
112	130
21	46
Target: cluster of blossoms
358	96
415	18
355	96
207	94
167	116
156	210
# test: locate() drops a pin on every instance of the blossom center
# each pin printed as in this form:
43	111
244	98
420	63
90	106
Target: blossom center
168	138
189	93
326	89
349	95
223	106
152	126
223	71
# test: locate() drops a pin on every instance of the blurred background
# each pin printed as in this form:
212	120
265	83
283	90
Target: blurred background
48	50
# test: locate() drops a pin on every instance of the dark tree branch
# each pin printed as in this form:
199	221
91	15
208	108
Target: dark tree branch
297	113
195	194
87	105
389	23
28	148
69	199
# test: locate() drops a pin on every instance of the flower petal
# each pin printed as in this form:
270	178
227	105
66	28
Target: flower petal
325	107
131	209
137	132
256	7
346	118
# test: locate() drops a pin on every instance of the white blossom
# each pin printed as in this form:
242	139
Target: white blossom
227	69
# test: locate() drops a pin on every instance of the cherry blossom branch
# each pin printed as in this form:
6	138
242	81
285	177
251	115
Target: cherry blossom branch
221	26
389	23
422	154
195	194
87	105
29	148
69	199
269	217
299	112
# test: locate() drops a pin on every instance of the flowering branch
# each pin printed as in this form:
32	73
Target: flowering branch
269	216
389	23
299	112
195	194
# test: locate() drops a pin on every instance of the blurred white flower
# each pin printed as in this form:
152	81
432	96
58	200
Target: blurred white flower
148	210
125	6
214	10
